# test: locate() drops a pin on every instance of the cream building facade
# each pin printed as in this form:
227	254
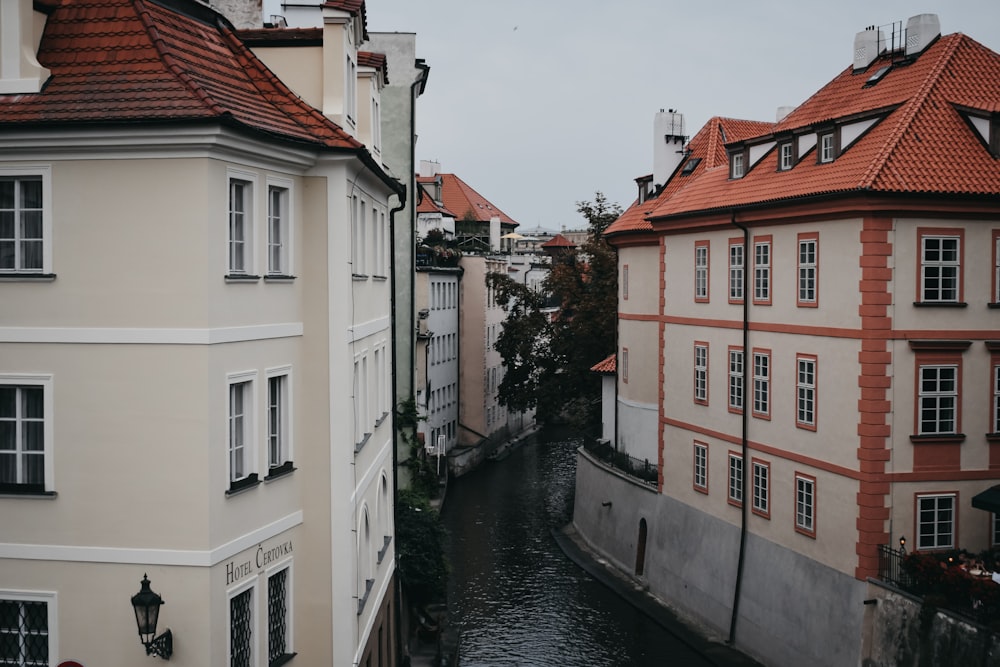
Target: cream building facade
195	346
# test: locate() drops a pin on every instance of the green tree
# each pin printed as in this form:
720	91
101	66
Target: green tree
548	362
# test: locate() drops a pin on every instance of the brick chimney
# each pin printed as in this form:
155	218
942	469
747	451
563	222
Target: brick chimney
20	32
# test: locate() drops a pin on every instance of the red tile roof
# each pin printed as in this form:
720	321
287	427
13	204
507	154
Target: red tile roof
352	7
466	203
114	61
558	241
375	61
922	144
428	205
607	367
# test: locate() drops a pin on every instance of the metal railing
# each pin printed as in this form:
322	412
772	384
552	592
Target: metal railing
640	469
890	567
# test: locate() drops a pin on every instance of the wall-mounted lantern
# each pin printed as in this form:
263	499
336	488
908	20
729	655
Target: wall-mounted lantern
902	544
147	611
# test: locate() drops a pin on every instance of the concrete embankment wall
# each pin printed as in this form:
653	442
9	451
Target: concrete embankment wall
793	611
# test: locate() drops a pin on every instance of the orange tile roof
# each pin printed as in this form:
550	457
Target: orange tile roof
428	205
922	145
115	61
608	367
352	7
458	197
375	61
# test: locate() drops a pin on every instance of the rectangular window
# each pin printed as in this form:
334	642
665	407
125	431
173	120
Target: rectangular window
625	282
279	636
735	479
996	530
240	226
761	489
736	165
701	467
736	379
351	89
826	147
805	389
995	422
382	247
241	434
785	159
624	368
940	267
937	396
808	270
27	624
762	270
277	231
241	629
22	213
762	384
25	434
701	271
996	267
736	270
805	505
936	521
701	373
278	420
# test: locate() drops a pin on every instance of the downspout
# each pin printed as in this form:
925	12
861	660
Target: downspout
617	339
398	586
743	438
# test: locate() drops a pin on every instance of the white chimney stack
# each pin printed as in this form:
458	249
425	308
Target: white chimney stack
921	30
668	144
429	168
867	45
20	71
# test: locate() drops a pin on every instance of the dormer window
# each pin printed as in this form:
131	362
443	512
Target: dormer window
736	165
827	148
785	156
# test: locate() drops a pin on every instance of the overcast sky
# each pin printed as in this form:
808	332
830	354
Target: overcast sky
538	104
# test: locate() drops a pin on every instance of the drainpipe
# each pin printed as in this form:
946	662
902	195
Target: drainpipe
617	339
745	423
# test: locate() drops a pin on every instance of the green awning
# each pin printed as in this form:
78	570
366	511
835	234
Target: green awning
988	500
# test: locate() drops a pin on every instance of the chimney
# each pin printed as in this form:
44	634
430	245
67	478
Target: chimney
668	144
866	47
429	168
20	71
921	31
782	113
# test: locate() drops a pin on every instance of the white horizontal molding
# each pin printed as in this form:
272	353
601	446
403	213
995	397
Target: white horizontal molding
132	556
149	336
637	405
362	330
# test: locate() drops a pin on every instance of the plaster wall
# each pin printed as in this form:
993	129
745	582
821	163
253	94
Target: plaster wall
792	610
298	68
643	279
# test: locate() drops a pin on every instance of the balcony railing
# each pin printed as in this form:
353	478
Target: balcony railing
640	469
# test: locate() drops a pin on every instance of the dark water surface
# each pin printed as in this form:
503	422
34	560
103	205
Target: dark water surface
514	596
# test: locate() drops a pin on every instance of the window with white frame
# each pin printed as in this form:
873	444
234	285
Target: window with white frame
625	281
701	466
26	433
361	414
736	270
937	397
278	230
736	379
382	255
350	89
996	266
241	620
240	226
25	228
762	271
27	628
279	425
826	147
940	268
736	165
761	488
936	521
805	505
376	125
785	158
805	392
761	384
241	431
808	264
701	373
701	271
279	610
735	479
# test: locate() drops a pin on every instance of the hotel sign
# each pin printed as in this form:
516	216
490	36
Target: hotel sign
254	562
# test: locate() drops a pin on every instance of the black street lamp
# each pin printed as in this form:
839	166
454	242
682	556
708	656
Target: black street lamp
147	610
902	545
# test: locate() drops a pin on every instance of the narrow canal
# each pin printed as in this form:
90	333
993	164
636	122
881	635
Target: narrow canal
515	598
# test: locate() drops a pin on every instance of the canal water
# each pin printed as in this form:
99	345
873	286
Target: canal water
514	597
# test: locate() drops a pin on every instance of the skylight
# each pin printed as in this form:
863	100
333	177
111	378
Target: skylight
690	165
877	76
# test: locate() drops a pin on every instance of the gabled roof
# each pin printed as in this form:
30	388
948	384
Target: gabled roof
428	205
607	367
375	61
458	197
708	148
919	143
115	61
